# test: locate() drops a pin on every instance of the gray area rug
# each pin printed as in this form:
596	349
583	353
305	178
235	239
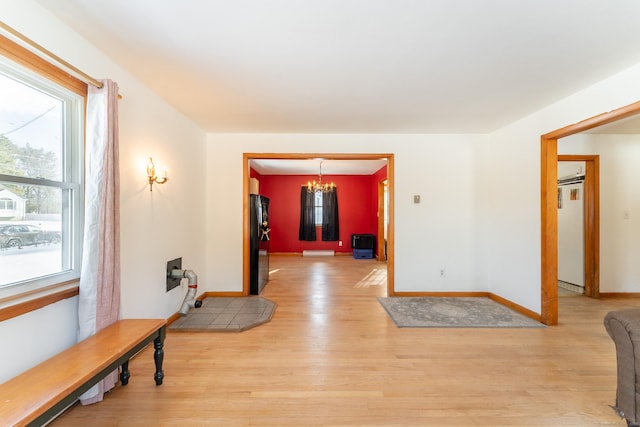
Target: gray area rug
226	314
453	312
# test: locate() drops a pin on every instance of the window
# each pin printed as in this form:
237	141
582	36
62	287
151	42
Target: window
317	203
41	159
7	205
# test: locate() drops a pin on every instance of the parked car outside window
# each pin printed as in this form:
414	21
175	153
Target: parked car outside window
19	235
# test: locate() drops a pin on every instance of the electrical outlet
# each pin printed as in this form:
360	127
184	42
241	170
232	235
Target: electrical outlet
339	242
442	272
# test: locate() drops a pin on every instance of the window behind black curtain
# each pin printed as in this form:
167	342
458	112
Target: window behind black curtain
330	222
307	216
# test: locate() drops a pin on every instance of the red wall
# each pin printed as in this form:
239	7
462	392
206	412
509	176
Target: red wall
357	209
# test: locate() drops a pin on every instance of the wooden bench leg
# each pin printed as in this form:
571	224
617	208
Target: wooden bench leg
158	355
125	374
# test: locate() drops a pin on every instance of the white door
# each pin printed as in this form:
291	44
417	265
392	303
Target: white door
571	233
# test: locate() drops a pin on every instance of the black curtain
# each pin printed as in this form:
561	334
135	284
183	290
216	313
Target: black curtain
307	216
330	222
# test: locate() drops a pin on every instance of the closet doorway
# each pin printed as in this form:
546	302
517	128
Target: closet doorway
590	222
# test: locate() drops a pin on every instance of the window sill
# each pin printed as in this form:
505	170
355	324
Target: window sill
20	304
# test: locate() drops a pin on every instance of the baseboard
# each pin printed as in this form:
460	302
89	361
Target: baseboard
175	316
516	307
440	294
619	295
318	253
221	294
300	253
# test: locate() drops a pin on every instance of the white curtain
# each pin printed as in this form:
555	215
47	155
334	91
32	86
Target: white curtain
99	300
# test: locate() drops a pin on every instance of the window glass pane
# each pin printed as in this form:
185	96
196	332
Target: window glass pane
31	131
31	233
6	205
41	170
318	206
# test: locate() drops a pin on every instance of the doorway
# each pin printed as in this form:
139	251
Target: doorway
590	221
248	157
548	199
383	219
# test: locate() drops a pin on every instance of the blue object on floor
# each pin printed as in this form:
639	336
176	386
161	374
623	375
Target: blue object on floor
363	253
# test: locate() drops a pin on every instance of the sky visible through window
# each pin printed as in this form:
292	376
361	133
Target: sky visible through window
31	146
31	118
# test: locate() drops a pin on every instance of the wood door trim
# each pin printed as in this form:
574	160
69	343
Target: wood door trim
380	240
591	222
247	157
548	205
595	121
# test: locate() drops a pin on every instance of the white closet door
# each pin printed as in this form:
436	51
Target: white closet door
571	234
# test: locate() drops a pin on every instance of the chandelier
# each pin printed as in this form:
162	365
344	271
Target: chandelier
319	186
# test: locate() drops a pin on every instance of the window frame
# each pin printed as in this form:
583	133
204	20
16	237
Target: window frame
31	295
7	204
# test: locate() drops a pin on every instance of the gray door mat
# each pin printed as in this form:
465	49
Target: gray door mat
226	314
453	312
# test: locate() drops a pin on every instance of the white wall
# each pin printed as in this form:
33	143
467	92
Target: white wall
619	206
439	233
509	192
509	168
155	227
620	221
34	337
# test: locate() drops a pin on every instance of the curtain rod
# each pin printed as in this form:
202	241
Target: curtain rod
51	56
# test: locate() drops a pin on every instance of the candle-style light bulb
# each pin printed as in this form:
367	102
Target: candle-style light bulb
151	169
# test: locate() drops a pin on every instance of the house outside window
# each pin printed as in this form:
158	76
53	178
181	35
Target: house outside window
9	205
41	188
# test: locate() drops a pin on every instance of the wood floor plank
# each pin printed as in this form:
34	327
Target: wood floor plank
331	356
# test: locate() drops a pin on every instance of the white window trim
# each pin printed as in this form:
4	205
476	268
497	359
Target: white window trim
72	181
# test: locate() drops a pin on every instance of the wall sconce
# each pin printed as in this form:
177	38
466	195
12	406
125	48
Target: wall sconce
151	173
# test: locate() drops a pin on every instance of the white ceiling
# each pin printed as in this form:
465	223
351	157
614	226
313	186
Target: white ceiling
365	66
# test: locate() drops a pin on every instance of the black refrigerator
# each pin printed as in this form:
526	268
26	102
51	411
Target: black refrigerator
259	243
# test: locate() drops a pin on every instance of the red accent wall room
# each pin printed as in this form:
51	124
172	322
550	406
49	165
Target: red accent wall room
357	209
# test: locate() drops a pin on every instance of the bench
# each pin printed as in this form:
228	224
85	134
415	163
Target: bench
39	394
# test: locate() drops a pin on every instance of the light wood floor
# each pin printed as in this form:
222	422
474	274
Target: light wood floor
331	357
